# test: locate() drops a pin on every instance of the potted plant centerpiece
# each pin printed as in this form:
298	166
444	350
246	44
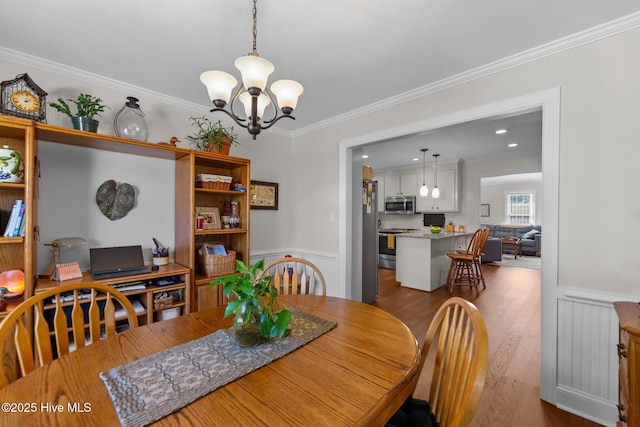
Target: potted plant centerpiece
87	106
212	136
254	303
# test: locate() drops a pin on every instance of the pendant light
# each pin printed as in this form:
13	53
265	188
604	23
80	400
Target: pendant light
436	191
424	190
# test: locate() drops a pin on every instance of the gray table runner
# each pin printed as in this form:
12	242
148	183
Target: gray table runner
148	389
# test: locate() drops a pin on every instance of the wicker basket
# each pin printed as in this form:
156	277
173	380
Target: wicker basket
216	265
213	182
162	303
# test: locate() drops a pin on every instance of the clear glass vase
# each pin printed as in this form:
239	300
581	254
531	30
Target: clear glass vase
129	121
246	331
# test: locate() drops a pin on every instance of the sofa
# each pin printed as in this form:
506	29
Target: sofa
529	235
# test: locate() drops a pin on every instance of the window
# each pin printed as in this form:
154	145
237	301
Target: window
521	207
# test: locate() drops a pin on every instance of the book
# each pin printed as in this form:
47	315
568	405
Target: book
8	232
66	271
16	228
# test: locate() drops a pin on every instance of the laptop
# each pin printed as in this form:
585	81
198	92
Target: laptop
117	261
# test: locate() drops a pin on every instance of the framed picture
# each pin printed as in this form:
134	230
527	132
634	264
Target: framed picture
485	209
211	217
263	195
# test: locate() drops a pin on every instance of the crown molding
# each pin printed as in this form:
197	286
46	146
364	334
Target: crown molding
584	37
608	29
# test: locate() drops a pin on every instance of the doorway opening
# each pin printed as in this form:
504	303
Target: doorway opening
350	230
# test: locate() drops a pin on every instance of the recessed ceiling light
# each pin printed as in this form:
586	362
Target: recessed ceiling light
513	144
501	131
365	156
415	159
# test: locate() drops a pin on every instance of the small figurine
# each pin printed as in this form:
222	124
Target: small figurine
3	303
172	142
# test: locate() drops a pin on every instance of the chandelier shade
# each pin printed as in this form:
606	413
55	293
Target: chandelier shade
253	92
287	93
255	71
219	85
247	101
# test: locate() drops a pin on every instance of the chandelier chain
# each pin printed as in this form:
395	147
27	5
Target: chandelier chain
255	27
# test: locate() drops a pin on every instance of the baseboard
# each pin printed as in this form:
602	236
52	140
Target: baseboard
589	407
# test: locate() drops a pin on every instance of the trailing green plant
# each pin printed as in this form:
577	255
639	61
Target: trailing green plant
86	106
210	135
252	296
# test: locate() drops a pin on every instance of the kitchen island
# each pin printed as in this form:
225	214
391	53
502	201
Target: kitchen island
421	257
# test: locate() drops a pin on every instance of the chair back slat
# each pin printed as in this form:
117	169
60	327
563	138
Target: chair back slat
41	336
109	317
94	319
61	328
77	321
58	328
23	347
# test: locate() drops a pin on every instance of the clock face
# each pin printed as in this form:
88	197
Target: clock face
25	101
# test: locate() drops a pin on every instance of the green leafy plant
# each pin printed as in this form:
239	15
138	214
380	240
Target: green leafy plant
86	105
252	297
211	135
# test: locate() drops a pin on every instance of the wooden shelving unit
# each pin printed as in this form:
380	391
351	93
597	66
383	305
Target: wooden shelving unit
20	252
17	253
188	239
629	363
146	296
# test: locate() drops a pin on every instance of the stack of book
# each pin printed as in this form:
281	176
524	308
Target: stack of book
15	225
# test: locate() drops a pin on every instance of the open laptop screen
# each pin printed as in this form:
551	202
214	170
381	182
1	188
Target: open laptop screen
117	260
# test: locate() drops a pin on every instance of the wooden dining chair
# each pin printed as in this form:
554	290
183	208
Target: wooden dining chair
465	264
457	346
296	276
85	314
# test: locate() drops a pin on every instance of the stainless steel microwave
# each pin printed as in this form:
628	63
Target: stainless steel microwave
400	205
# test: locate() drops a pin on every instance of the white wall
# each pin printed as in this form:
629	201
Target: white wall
495	195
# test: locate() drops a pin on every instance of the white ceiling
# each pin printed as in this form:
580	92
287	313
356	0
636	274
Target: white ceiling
349	54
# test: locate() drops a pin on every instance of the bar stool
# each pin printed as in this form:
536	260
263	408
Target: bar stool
465	265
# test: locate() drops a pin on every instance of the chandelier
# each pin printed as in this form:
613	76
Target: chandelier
253	92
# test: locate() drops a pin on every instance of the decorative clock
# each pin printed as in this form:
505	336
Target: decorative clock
22	97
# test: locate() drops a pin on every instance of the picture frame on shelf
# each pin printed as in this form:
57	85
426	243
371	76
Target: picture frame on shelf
211	217
485	210
263	195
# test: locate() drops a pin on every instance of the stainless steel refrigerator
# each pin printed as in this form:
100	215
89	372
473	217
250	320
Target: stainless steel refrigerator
369	241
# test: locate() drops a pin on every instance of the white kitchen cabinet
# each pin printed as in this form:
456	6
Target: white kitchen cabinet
449	185
400	185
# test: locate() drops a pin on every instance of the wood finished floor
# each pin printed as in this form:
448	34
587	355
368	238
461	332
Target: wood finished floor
510	307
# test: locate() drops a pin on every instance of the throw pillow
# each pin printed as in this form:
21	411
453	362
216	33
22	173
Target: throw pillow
531	234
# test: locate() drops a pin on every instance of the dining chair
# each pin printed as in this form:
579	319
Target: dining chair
458	339
465	264
296	276
77	315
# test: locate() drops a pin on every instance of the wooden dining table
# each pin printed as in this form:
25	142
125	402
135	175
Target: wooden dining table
358	373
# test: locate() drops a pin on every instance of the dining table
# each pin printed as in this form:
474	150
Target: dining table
357	373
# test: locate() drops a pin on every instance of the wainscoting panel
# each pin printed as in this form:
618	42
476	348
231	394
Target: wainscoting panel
327	263
587	358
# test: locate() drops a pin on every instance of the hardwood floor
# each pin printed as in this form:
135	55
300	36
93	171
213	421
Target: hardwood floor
510	307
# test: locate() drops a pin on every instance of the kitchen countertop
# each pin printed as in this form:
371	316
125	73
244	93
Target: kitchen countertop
426	234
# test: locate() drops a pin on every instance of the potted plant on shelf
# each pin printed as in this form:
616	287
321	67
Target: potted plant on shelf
212	136
87	106
254	303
